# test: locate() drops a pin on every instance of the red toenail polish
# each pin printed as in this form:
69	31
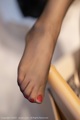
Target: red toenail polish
26	96
39	98
31	100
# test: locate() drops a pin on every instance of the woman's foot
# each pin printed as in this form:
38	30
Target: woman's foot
34	65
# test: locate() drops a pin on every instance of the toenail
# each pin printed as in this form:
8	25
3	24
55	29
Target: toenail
31	100
26	96
39	99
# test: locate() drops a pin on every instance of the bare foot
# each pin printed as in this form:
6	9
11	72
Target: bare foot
34	65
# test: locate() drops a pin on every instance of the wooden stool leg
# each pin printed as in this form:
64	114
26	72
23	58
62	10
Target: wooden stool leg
66	99
56	114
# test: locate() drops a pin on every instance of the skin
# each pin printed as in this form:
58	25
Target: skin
40	43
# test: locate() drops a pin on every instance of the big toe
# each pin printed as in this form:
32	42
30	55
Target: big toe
40	94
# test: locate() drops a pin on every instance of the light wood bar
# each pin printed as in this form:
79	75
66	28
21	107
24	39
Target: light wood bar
66	99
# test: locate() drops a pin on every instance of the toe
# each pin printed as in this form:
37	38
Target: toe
40	94
28	90
21	76
34	93
24	84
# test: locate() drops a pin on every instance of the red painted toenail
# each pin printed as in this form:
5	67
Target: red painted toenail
31	100
26	96
39	98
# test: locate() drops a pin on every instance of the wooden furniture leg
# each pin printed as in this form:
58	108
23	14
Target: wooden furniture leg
66	99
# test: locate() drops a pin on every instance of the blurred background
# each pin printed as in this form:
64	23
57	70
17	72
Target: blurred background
14	25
